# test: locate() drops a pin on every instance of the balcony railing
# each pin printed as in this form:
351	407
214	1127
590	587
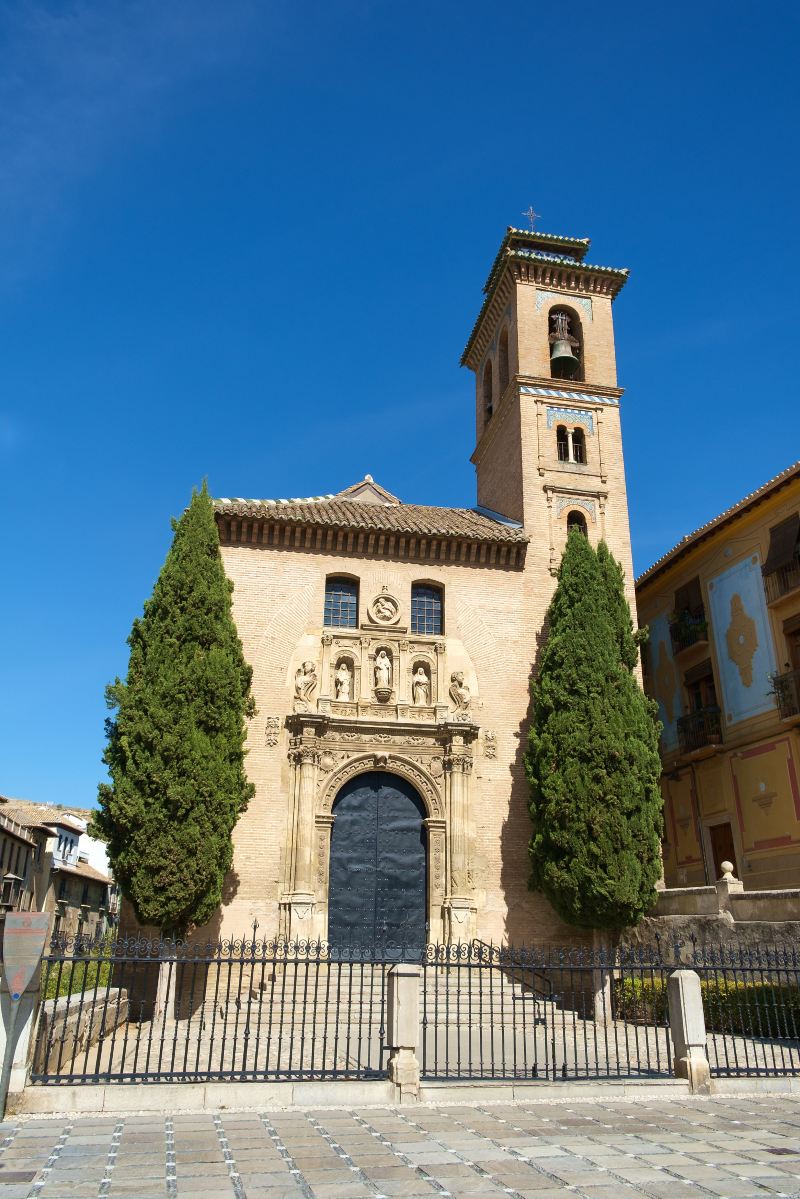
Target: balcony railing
687	629
699	729
783	580
786	688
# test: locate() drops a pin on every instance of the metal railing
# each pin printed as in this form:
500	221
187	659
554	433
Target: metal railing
783	580
751	1002
139	1010
786	688
524	1013
699	729
688	629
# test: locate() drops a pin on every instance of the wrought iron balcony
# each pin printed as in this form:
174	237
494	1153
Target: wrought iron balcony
699	729
783	580
786	688
688	628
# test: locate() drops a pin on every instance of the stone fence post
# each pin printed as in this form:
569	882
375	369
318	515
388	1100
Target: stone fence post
24	1024
403	1029
726	886
687	1027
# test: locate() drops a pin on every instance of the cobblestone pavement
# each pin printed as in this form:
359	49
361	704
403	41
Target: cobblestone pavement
669	1149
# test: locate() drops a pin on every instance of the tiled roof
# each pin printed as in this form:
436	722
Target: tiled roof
532	249
30	814
83	870
419	519
691	539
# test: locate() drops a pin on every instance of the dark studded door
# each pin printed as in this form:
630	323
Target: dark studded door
378	867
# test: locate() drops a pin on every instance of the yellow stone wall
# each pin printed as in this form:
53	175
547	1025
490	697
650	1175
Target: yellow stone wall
751	777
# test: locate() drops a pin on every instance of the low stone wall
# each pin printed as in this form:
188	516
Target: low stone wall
68	1028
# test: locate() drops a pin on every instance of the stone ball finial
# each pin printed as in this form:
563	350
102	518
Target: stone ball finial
727	869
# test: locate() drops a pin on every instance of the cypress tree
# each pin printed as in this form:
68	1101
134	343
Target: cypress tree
175	748
593	759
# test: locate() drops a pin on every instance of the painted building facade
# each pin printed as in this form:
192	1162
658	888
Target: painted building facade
723	662
392	643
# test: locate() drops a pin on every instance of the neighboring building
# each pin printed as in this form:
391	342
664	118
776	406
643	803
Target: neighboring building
392	643
46	867
723	661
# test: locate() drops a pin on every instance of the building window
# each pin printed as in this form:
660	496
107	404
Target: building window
576	520
341	604
426	609
488	406
562	442
579	446
502	361
781	570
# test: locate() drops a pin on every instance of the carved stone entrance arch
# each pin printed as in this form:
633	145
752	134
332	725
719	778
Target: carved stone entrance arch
395	763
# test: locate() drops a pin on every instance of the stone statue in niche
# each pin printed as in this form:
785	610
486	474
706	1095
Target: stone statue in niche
383	670
344	682
459	693
305	684
421	687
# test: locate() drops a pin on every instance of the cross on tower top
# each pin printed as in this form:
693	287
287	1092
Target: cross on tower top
531	215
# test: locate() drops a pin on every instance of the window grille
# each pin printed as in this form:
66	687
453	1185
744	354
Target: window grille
341	604
426	610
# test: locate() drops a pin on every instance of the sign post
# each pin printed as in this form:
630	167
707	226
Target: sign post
24	938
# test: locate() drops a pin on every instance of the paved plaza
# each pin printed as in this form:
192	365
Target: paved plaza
667	1149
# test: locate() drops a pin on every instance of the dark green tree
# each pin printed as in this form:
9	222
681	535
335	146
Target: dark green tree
593	759
175	749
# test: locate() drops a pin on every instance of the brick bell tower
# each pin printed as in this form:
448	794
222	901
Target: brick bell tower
549	445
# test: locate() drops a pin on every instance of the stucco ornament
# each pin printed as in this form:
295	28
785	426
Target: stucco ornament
665	681
741	640
305	684
460	694
384	609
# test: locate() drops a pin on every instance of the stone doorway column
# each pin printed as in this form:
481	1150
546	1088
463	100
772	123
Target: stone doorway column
299	902
460	902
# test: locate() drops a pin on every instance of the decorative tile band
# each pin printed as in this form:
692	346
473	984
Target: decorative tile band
575	501
569	395
575	415
558	297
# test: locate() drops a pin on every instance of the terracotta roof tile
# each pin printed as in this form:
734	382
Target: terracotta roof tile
419	519
84	870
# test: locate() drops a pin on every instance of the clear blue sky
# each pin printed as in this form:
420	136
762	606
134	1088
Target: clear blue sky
247	241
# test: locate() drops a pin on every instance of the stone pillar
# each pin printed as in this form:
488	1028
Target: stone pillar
688	1029
24	1025
403	1029
570	447
441	686
460	905
436	878
726	886
327	691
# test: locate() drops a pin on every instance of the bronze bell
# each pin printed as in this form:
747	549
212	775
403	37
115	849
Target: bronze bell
563	362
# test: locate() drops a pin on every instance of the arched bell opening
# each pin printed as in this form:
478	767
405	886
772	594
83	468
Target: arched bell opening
576	520
488	397
565	338
378	874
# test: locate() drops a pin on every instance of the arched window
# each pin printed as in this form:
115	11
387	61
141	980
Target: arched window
427	609
488	406
576	520
341	603
579	446
502	361
562	441
566	344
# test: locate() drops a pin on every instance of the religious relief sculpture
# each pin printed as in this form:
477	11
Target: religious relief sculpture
383	669
460	694
421	687
344	682
305	684
384	609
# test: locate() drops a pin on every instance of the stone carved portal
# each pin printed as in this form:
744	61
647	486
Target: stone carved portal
378	866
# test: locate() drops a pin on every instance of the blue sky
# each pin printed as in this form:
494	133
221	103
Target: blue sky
247	241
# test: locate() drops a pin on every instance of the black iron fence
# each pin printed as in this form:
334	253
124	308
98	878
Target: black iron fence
131	1010
138	1010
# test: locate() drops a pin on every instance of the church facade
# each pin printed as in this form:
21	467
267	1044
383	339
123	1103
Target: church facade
392	643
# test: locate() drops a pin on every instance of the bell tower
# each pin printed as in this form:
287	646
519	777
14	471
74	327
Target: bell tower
549	445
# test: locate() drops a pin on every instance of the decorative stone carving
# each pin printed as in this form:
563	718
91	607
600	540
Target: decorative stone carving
489	744
383	669
460	695
384	609
344	681
416	775
272	730
305	684
421	687
741	640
